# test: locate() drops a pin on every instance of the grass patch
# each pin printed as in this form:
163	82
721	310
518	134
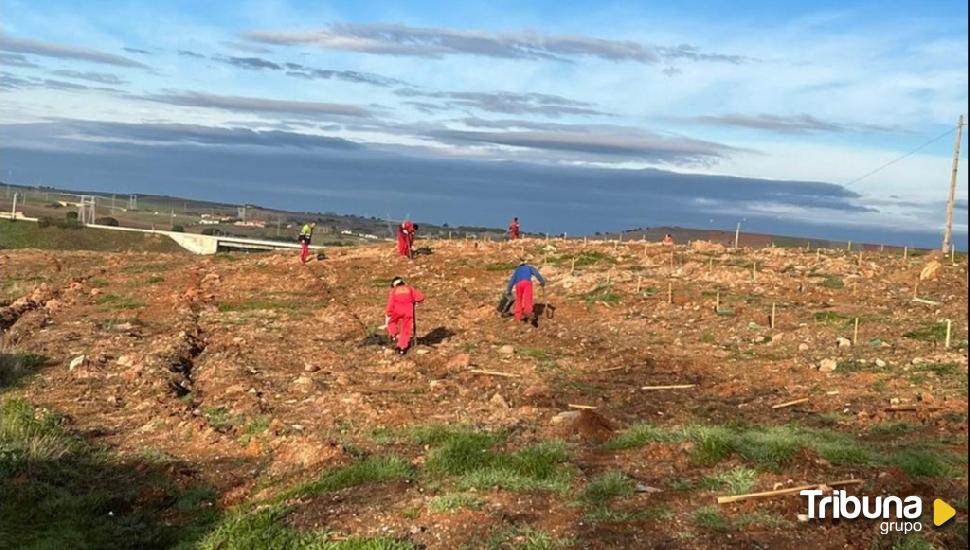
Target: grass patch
932	332
602	293
454	501
927	463
154	280
254	428
709	517
611	485
583	259
501	266
117	302
738	481
940	369
830	317
370	470
855	365
536	468
638	435
218	417
833	282
15	366
258	305
58	492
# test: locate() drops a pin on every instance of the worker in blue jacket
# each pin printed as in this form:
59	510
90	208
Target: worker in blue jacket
521	281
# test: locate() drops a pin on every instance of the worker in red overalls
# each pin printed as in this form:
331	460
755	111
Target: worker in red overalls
405	237
399	313
668	240
514	229
521	283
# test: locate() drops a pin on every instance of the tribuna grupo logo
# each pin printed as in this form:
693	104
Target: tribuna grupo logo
898	514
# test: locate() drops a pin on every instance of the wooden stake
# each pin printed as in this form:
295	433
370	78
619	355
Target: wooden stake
860	258
674	387
848	246
639	281
789	491
949	332
855	333
717	302
790	403
494	373
771	323
581	407
916	288
818	254
710	266
905	252
670	293
754	271
572	266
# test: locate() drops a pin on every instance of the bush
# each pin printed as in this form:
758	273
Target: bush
47	221
70	216
178	228
107	221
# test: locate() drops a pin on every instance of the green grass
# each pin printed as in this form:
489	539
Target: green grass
939	369
854	365
830	317
738	481
709	517
56	491
454	501
154	280
537	468
258	305
638	435
218	417
583	259
254	428
913	542
29	235
602	293
833	282
501	266
369	470
608	486
524	538
15	366
932	332
117	302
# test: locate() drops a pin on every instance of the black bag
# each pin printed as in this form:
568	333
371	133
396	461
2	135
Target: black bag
505	304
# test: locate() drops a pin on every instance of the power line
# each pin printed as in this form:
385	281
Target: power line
897	159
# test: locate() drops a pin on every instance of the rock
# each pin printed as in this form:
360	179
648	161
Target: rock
309	367
506	350
95	291
641	488
894	401
126	361
77	362
460	361
803	347
777	338
499	401
880	363
422	351
565	417
926	397
844	342
828	365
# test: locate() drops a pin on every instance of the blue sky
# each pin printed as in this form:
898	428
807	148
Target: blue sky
590	116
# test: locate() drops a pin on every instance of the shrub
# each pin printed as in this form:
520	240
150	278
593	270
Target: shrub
109	221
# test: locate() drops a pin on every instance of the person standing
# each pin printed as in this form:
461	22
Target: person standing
306	234
514	231
405	237
521	282
399	313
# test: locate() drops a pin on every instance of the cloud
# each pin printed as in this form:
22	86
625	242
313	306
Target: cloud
256	104
47	49
673	150
396	39
10	81
789	124
91	76
138	51
190	53
503	102
166	133
252	63
16	60
302	71
244	47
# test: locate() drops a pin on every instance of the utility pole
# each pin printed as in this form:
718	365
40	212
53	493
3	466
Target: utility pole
948	231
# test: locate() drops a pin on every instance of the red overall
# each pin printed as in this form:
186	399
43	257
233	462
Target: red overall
523	299
514	230
405	238
400	313
304	249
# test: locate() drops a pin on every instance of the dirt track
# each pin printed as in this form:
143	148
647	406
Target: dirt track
251	372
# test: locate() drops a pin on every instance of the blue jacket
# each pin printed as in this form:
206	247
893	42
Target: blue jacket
524	272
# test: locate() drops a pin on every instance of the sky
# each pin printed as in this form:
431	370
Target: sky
823	119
